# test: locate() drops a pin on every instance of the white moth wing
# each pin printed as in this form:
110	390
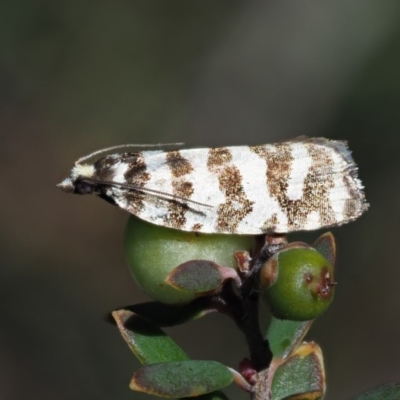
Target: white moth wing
303	184
178	191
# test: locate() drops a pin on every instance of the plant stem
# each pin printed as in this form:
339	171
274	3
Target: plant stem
243	308
260	351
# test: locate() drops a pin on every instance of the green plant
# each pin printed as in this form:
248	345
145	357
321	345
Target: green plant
190	275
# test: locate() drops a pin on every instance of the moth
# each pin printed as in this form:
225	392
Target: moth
301	184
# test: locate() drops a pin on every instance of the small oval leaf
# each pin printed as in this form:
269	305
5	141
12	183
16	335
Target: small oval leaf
148	342
326	246
211	396
284	335
181	379
161	314
301	376
389	391
196	276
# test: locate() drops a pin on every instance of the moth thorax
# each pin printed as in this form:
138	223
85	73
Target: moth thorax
82	171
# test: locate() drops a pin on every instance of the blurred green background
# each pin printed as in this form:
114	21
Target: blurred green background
77	76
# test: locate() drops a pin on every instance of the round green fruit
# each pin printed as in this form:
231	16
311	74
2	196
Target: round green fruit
153	251
297	283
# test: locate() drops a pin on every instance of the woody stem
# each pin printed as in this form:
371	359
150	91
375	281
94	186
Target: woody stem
244	310
260	351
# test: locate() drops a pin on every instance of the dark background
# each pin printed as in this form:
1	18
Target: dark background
76	76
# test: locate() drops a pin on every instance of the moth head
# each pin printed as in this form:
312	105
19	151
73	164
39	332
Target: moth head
79	181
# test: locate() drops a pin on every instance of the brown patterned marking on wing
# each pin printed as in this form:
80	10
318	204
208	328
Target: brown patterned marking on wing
270	223
319	182
315	188
196	227
236	206
178	165
177	208
353	206
135	201
103	167
181	188
218	156
135	175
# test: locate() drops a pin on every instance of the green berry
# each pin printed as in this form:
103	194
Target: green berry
297	283
153	251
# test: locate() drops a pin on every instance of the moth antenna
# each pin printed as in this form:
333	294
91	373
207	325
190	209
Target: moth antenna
120	146
172	196
158	193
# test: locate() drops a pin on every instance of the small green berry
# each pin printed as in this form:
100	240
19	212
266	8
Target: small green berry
153	251
297	282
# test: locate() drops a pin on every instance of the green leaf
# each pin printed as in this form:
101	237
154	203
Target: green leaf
284	335
148	342
301	376
196	276
181	379
326	246
390	391
211	396
161	314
